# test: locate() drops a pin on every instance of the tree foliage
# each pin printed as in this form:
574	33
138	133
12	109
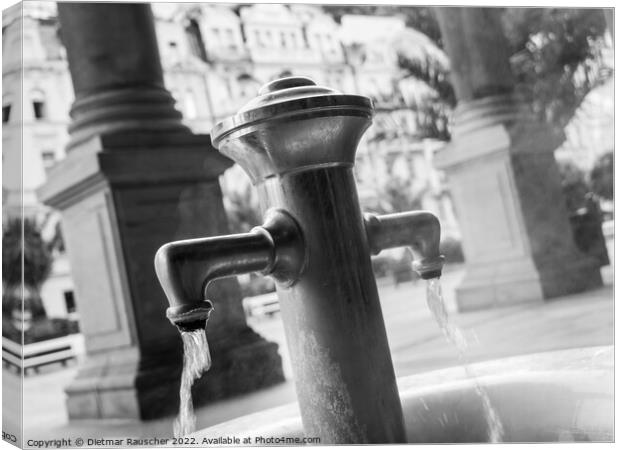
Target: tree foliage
35	251
37	259
557	58
602	176
419	54
433	114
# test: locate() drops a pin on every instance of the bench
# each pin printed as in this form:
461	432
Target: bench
261	305
32	356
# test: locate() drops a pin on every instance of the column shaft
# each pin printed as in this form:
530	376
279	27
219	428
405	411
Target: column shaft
503	177
115	69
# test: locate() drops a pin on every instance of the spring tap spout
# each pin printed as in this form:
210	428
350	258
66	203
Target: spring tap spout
185	268
419	230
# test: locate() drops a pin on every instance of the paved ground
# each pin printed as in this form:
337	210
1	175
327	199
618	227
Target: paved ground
416	344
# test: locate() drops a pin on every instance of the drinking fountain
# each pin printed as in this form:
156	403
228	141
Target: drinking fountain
297	142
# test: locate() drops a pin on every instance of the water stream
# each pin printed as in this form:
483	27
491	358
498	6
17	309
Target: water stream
437	305
196	361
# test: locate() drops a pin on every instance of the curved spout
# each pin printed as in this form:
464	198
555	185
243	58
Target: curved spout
420	230
185	268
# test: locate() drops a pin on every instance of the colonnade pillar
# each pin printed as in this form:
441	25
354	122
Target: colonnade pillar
135	178
503	177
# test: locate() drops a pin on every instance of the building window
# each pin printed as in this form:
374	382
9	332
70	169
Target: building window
317	41
258	38
337	82
49	158
216	35
6	113
230	38
285	73
247	85
173	51
39	109
70	302
196	43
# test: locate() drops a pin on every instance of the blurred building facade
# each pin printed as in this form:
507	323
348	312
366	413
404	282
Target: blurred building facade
40	129
37	94
215	58
590	134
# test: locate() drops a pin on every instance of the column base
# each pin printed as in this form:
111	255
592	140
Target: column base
500	283
506	187
244	363
514	282
105	386
116	385
569	275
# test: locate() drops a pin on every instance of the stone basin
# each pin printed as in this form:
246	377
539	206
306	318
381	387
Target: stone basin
565	395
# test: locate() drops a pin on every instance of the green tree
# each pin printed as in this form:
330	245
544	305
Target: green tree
22	243
557	58
602	176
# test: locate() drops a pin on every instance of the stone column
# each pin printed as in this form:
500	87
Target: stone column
503	177
135	178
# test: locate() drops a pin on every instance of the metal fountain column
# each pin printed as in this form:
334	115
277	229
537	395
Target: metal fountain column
297	141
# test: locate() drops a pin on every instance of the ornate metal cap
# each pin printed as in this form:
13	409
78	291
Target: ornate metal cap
286	89
293	124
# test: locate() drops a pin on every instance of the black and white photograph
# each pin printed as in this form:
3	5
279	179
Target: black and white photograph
307	224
